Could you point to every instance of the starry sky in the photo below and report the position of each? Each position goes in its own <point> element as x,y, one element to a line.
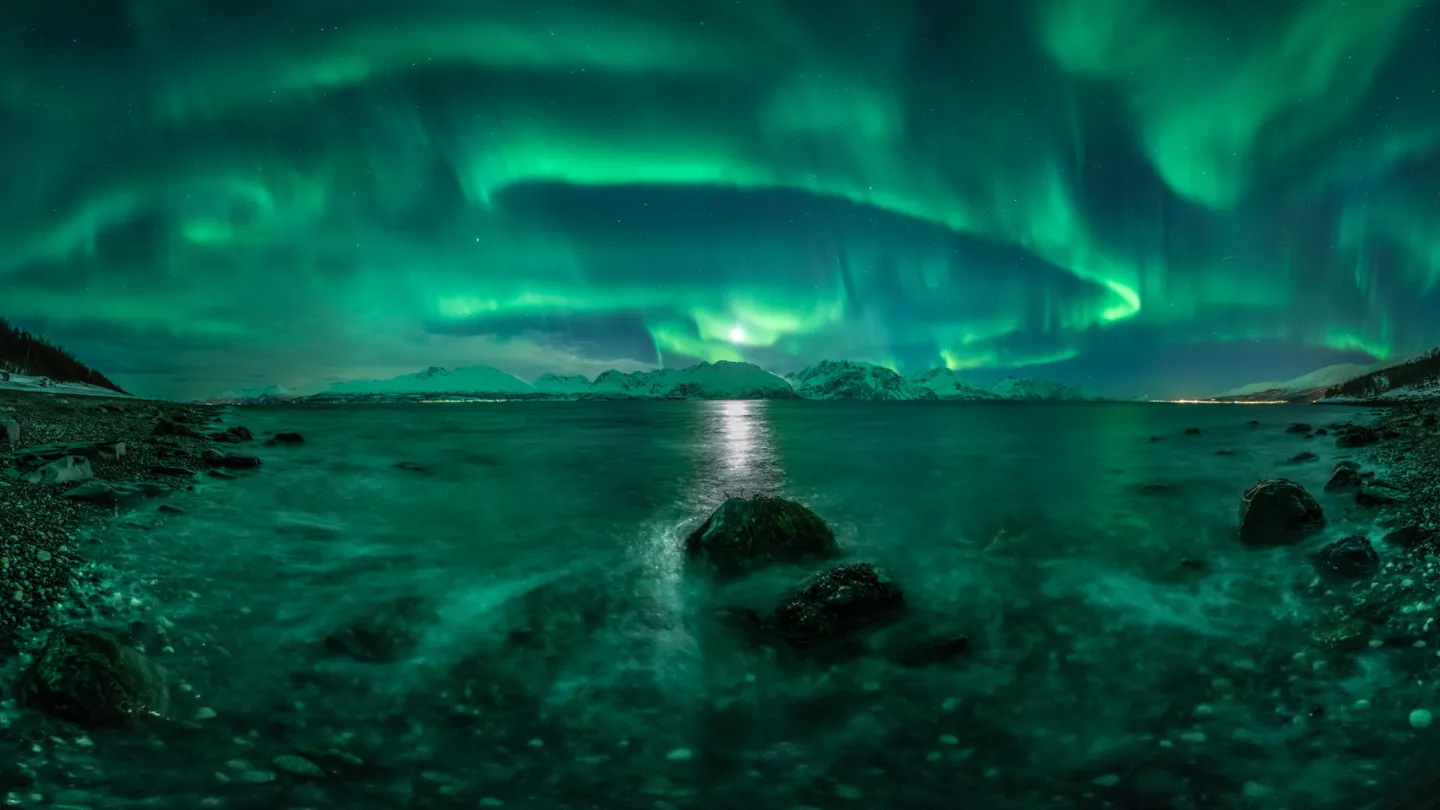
<point>1154,197</point>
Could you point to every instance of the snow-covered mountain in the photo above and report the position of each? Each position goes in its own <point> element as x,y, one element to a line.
<point>256,396</point>
<point>468,381</point>
<point>723,380</point>
<point>1306,387</point>
<point>1416,377</point>
<point>557,384</point>
<point>1021,389</point>
<point>947,385</point>
<point>848,379</point>
<point>828,380</point>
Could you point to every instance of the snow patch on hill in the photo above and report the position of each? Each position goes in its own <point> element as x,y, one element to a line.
<point>1023,389</point>
<point>1318,379</point>
<point>849,379</point>
<point>948,385</point>
<point>45,385</point>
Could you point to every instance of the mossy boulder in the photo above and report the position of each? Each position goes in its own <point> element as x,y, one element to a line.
<point>836,604</point>
<point>747,533</point>
<point>91,678</point>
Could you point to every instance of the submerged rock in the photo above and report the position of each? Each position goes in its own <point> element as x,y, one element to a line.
<point>286,438</point>
<point>90,678</point>
<point>1344,479</point>
<point>837,603</point>
<point>746,533</point>
<point>171,427</point>
<point>1303,458</point>
<point>1351,557</point>
<point>388,634</point>
<point>1298,427</point>
<point>1276,512</point>
<point>241,432</point>
<point>217,458</point>
<point>1192,431</point>
<point>107,493</point>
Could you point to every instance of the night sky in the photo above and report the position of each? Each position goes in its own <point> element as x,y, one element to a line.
<point>1143,196</point>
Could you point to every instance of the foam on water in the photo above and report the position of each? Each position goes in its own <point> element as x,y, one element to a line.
<point>1029,529</point>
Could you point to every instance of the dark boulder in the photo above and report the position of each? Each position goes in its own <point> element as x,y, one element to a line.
<point>836,604</point>
<point>1277,512</point>
<point>1349,465</point>
<point>1253,423</point>
<point>1344,479</point>
<point>114,493</point>
<point>286,438</point>
<point>746,533</point>
<point>1350,557</point>
<point>1298,427</point>
<point>1413,538</point>
<point>241,432</point>
<point>1192,431</point>
<point>1357,436</point>
<point>170,427</point>
<point>1304,457</point>
<point>1224,452</point>
<point>1322,432</point>
<point>90,678</point>
<point>225,437</point>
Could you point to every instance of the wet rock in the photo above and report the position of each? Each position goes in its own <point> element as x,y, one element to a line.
<point>1303,458</point>
<point>218,458</point>
<point>90,678</point>
<point>94,451</point>
<point>286,438</point>
<point>1378,495</point>
<point>114,493</point>
<point>1348,465</point>
<point>1278,511</point>
<point>224,437</point>
<point>1350,635</point>
<point>1357,436</point>
<point>1298,427</point>
<point>388,634</point>
<point>170,509</point>
<point>1192,431</point>
<point>1351,557</point>
<point>746,533</point>
<point>171,427</point>
<point>297,765</point>
<point>1344,479</point>
<point>1253,423</point>
<point>241,432</point>
<point>9,431</point>
<point>837,603</point>
<point>1322,432</point>
<point>67,470</point>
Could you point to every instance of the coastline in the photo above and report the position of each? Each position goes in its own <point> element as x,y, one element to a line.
<point>43,555</point>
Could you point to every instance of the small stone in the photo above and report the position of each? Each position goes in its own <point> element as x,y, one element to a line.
<point>680,755</point>
<point>257,777</point>
<point>1193,736</point>
<point>848,792</point>
<point>204,713</point>
<point>1420,718</point>
<point>1108,780</point>
<point>42,555</point>
<point>949,739</point>
<point>299,766</point>
<point>536,743</point>
<point>490,801</point>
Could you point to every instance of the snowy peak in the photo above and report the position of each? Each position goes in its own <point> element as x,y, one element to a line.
<point>947,385</point>
<point>1022,389</point>
<point>848,379</point>
<point>556,384</point>
<point>722,380</point>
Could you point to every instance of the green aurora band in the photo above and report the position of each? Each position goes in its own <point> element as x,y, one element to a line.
<point>356,188</point>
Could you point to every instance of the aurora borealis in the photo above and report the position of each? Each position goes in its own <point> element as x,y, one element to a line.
<point>1157,196</point>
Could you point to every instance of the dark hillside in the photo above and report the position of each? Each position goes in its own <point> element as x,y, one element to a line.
<point>24,353</point>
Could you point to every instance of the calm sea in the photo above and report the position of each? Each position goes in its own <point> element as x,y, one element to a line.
<point>1127,651</point>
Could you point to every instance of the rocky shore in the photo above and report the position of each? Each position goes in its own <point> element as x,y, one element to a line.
<point>68,460</point>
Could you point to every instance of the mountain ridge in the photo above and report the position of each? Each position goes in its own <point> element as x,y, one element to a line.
<point>826,380</point>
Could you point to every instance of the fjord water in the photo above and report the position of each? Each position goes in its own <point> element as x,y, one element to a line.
<point>1127,651</point>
